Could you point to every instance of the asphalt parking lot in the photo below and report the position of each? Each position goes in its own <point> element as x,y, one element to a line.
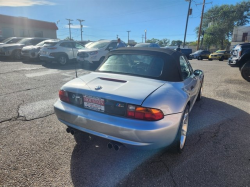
<point>35,149</point>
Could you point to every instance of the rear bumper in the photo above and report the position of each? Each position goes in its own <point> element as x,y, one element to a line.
<point>130,132</point>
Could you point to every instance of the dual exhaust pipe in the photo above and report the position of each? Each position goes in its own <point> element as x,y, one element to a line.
<point>115,145</point>
<point>69,130</point>
<point>111,144</point>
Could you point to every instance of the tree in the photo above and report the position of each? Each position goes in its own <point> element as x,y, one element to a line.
<point>219,22</point>
<point>176,42</point>
<point>69,38</point>
<point>164,42</point>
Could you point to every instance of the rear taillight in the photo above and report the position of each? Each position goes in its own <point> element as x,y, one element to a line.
<point>63,95</point>
<point>51,48</point>
<point>142,113</point>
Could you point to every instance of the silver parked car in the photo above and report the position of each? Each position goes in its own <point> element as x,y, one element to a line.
<point>136,97</point>
<point>14,50</point>
<point>32,51</point>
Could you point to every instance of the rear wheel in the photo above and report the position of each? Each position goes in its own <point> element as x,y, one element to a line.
<point>199,58</point>
<point>62,59</point>
<point>222,58</point>
<point>245,71</point>
<point>200,93</point>
<point>180,139</point>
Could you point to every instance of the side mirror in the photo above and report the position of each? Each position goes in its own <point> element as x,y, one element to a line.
<point>110,48</point>
<point>197,72</point>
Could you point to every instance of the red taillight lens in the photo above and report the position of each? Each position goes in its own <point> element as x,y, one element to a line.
<point>148,114</point>
<point>63,95</point>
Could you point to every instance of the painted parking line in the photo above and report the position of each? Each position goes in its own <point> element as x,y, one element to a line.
<point>42,73</point>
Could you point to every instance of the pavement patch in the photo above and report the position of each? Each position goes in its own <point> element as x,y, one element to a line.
<point>37,109</point>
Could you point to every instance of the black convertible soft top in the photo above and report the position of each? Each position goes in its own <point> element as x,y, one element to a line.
<point>172,69</point>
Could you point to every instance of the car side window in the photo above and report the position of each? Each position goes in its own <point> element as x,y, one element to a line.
<point>113,45</point>
<point>78,46</point>
<point>185,71</point>
<point>66,44</point>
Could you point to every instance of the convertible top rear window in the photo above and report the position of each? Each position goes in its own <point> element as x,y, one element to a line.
<point>134,64</point>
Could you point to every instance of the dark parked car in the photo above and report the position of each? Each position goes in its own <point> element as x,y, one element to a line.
<point>241,58</point>
<point>14,50</point>
<point>200,55</point>
<point>186,52</point>
<point>147,45</point>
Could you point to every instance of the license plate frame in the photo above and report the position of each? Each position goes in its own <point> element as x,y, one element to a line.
<point>94,103</point>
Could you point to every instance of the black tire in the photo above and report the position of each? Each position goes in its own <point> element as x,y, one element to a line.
<point>178,144</point>
<point>210,59</point>
<point>16,55</point>
<point>199,97</point>
<point>222,58</point>
<point>199,58</point>
<point>62,60</point>
<point>245,71</point>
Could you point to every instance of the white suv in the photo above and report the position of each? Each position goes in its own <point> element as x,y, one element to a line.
<point>95,52</point>
<point>61,51</point>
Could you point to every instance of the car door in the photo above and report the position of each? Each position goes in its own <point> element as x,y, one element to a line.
<point>76,47</point>
<point>190,80</point>
<point>66,47</point>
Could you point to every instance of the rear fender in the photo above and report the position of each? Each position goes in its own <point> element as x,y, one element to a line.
<point>170,98</point>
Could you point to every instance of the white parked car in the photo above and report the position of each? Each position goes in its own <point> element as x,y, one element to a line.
<point>62,51</point>
<point>95,52</point>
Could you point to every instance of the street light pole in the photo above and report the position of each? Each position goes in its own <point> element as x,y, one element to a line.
<point>200,24</point>
<point>128,36</point>
<point>81,20</point>
<point>187,23</point>
<point>145,36</point>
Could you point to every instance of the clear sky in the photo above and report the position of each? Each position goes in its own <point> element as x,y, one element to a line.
<point>105,19</point>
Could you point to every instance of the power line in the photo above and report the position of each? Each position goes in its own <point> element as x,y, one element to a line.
<point>69,20</point>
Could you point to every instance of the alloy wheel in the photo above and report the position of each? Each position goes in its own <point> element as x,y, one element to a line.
<point>184,127</point>
<point>62,60</point>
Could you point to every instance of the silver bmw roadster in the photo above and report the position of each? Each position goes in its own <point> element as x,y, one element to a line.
<point>138,97</point>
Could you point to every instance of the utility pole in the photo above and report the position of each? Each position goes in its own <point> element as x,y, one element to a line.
<point>142,38</point>
<point>187,23</point>
<point>145,36</point>
<point>81,20</point>
<point>201,22</point>
<point>128,36</point>
<point>69,20</point>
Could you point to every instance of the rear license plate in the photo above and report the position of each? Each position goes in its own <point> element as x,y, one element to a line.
<point>94,103</point>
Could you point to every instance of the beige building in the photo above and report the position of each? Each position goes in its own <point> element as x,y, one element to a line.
<point>25,27</point>
<point>241,34</point>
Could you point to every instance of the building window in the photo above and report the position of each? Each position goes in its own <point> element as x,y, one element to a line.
<point>24,33</point>
<point>244,37</point>
<point>7,32</point>
<point>38,33</point>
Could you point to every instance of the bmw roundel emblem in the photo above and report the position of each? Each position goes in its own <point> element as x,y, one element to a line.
<point>98,87</point>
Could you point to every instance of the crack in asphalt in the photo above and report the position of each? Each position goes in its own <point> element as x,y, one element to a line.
<point>23,118</point>
<point>30,89</point>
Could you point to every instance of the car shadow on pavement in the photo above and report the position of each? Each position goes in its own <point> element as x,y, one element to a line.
<point>215,139</point>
